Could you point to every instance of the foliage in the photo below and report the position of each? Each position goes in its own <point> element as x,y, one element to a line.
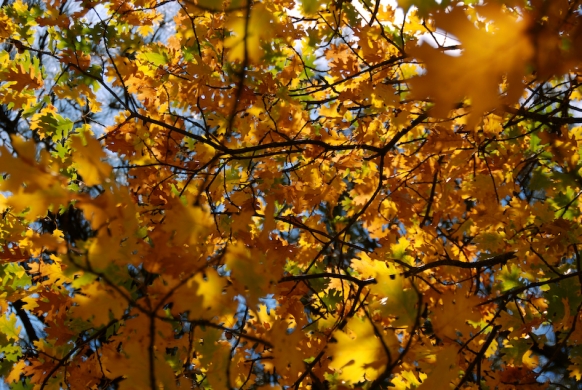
<point>311,194</point>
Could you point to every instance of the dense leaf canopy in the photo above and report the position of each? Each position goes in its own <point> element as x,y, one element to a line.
<point>310,194</point>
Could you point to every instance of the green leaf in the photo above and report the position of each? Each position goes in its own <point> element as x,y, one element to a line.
<point>155,57</point>
<point>515,348</point>
<point>540,181</point>
<point>510,277</point>
<point>26,385</point>
<point>332,299</point>
<point>310,7</point>
<point>83,280</point>
<point>568,288</point>
<point>11,352</point>
<point>8,326</point>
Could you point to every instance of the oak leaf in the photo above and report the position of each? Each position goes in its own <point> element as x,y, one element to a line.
<point>476,73</point>
<point>359,353</point>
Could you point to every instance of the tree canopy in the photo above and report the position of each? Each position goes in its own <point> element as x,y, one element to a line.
<point>309,194</point>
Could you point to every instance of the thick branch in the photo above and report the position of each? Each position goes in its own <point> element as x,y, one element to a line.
<point>359,282</point>
<point>495,260</point>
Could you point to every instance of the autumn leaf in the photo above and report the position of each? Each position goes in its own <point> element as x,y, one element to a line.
<point>294,194</point>
<point>444,371</point>
<point>454,314</point>
<point>286,350</point>
<point>249,33</point>
<point>110,305</point>
<point>310,6</point>
<point>89,160</point>
<point>247,273</point>
<point>359,352</point>
<point>475,74</point>
<point>9,328</point>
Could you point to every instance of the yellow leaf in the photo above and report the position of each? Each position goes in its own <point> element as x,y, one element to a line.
<point>35,243</point>
<point>287,354</point>
<point>89,160</point>
<point>454,314</point>
<point>189,223</point>
<point>206,297</point>
<point>258,28</point>
<point>8,326</point>
<point>445,370</point>
<point>17,369</point>
<point>359,353</point>
<point>395,298</point>
<point>309,7</point>
<point>530,360</point>
<point>576,367</point>
<point>219,5</point>
<point>249,272</point>
<point>98,304</point>
<point>145,30</point>
<point>217,359</point>
<point>478,72</point>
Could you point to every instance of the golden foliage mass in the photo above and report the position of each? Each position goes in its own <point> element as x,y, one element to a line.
<point>314,194</point>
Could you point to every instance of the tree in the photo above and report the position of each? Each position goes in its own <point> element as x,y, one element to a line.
<point>313,194</point>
